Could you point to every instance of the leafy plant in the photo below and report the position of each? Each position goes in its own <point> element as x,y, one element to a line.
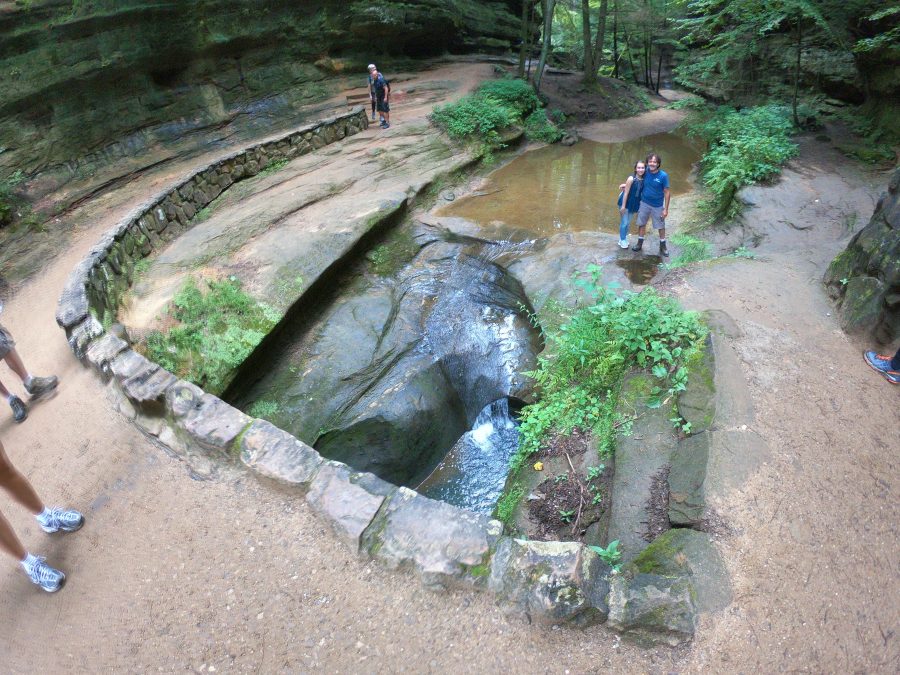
<point>508,501</point>
<point>595,471</point>
<point>579,373</point>
<point>745,147</point>
<point>611,555</point>
<point>217,329</point>
<point>496,105</point>
<point>566,516</point>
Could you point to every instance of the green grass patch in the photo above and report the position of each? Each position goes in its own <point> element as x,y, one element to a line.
<point>274,166</point>
<point>506,505</point>
<point>580,372</point>
<point>217,328</point>
<point>496,105</point>
<point>744,147</point>
<point>266,410</point>
<point>691,250</point>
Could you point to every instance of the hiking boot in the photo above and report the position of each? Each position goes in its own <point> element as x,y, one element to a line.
<point>41,386</point>
<point>882,364</point>
<point>638,246</point>
<point>56,519</point>
<point>40,573</point>
<point>663,251</point>
<point>18,409</point>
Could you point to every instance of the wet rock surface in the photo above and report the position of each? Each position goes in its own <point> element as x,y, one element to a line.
<point>653,609</point>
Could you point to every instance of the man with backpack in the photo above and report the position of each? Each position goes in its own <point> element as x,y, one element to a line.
<point>382,90</point>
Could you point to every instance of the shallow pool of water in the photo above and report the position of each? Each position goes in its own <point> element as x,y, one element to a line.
<point>558,188</point>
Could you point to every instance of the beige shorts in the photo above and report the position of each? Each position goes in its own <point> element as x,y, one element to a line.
<point>6,342</point>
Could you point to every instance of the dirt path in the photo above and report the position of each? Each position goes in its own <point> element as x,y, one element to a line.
<point>172,573</point>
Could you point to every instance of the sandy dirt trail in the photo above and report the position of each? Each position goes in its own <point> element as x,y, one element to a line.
<point>172,573</point>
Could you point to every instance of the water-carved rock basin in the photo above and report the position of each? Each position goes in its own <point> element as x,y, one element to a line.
<point>394,369</point>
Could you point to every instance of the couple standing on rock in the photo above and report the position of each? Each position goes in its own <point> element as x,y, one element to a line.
<point>380,95</point>
<point>645,193</point>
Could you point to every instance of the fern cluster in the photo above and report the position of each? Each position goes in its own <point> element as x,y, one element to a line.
<point>579,374</point>
<point>217,329</point>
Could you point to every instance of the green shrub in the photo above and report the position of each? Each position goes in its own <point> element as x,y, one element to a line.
<point>266,410</point>
<point>496,105</point>
<point>539,128</point>
<point>745,147</point>
<point>579,373</point>
<point>217,330</point>
<point>9,202</point>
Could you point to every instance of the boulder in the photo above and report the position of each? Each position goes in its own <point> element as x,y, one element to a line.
<point>688,553</point>
<point>652,609</point>
<point>444,544</point>
<point>551,582</point>
<point>865,276</point>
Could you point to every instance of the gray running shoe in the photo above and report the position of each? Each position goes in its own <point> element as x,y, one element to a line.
<point>18,409</point>
<point>39,386</point>
<point>40,573</point>
<point>67,520</point>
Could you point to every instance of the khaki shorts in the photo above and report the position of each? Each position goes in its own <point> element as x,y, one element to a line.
<point>646,212</point>
<point>6,342</point>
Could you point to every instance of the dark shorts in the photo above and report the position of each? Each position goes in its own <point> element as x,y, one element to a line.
<point>382,106</point>
<point>6,342</point>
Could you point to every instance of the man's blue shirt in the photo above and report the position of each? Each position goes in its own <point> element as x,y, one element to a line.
<point>654,184</point>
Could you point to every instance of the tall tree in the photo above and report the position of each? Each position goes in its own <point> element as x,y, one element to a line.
<point>547,6</point>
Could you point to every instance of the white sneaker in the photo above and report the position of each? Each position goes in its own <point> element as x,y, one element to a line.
<point>623,243</point>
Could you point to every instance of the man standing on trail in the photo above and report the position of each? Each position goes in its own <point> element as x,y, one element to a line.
<point>382,97</point>
<point>35,386</point>
<point>372,69</point>
<point>50,520</point>
<point>654,203</point>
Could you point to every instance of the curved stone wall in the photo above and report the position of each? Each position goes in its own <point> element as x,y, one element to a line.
<point>446,546</point>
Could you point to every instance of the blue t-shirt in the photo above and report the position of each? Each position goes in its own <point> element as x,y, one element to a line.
<point>654,184</point>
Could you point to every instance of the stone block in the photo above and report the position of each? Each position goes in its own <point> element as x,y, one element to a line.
<point>73,305</point>
<point>697,403</point>
<point>213,425</point>
<point>81,336</point>
<point>348,499</point>
<point>444,544</point>
<point>102,351</point>
<point>687,473</point>
<point>652,609</point>
<point>552,582</point>
<point>129,364</point>
<point>276,454</point>
<point>183,398</point>
<point>146,389</point>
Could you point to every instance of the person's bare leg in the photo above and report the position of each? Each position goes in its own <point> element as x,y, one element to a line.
<point>18,486</point>
<point>14,361</point>
<point>4,392</point>
<point>9,542</point>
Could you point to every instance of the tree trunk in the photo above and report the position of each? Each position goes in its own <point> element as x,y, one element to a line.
<point>549,6</point>
<point>659,68</point>
<point>630,58</point>
<point>797,70</point>
<point>601,33</point>
<point>523,47</point>
<point>615,38</point>
<point>590,68</point>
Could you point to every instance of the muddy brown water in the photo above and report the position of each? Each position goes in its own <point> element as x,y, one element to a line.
<point>557,188</point>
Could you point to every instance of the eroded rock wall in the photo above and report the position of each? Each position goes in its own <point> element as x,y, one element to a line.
<point>865,277</point>
<point>88,79</point>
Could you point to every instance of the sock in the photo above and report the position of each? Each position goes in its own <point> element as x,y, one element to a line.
<point>44,516</point>
<point>10,397</point>
<point>28,562</point>
<point>640,239</point>
<point>662,241</point>
<point>27,381</point>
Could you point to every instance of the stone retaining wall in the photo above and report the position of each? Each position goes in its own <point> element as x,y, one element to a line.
<point>549,582</point>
